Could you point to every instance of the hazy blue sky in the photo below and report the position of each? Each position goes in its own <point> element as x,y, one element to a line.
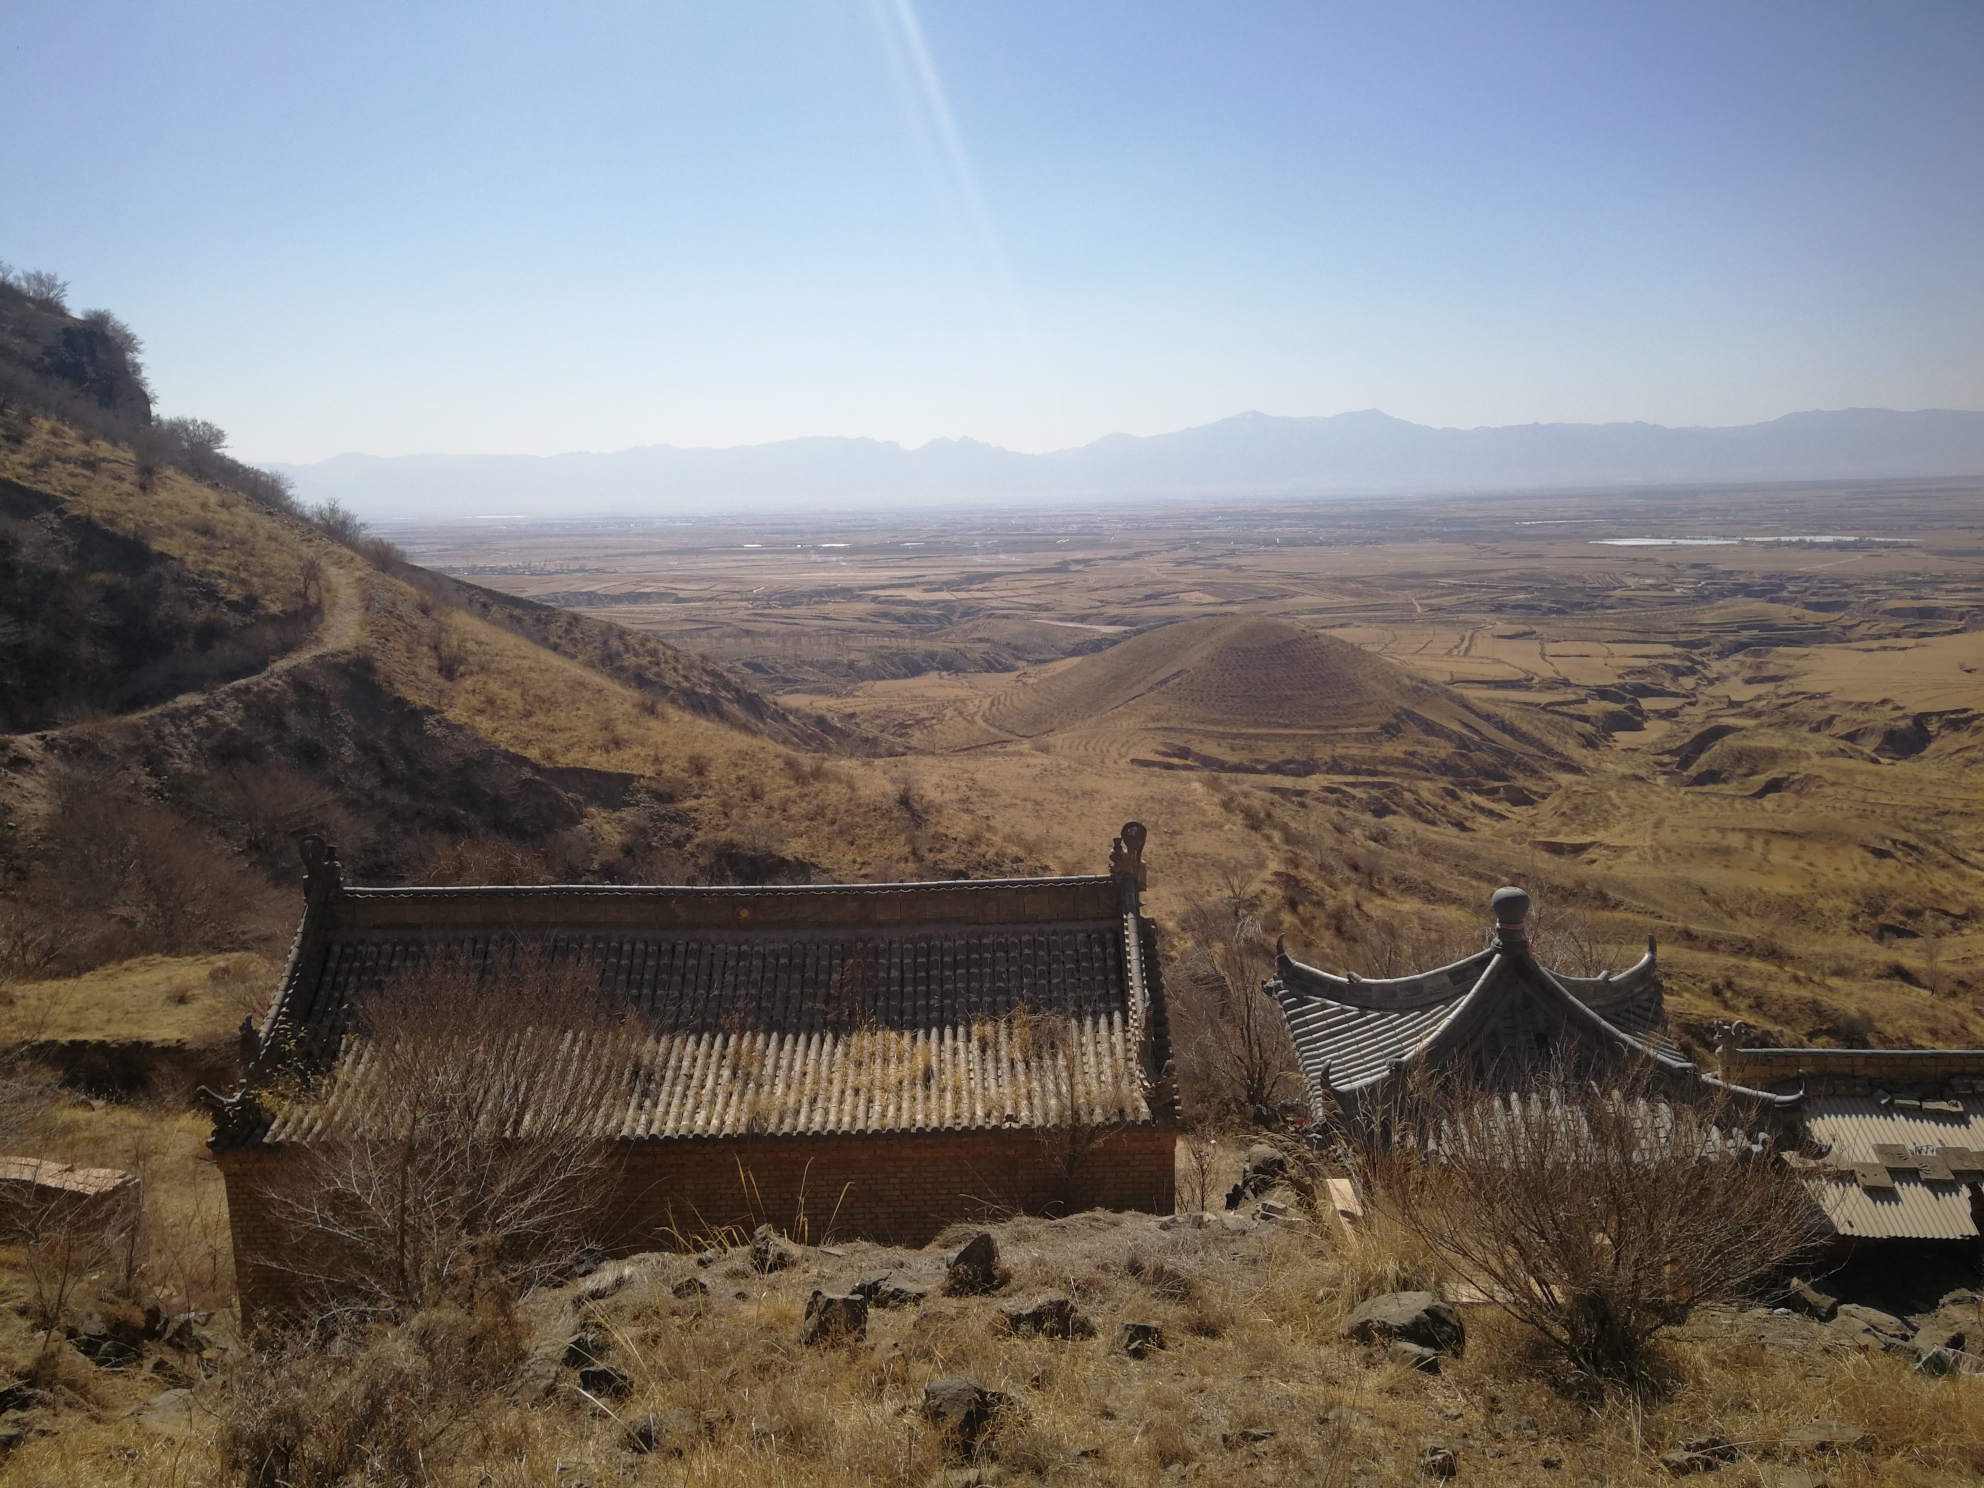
<point>413,226</point>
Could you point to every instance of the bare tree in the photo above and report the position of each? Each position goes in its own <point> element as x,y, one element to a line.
<point>457,1152</point>
<point>1594,1209</point>
<point>1235,1059</point>
<point>1082,1123</point>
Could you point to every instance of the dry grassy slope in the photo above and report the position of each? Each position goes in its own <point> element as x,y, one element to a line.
<point>1231,676</point>
<point>1255,1386</point>
<point>428,717</point>
<point>639,661</point>
<point>1817,888</point>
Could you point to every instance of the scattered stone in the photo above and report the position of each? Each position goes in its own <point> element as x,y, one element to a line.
<point>689,1288</point>
<point>1943,1359</point>
<point>1711,1446</point>
<point>603,1381</point>
<point>883,1290</point>
<point>1681,1463</point>
<point>586,1349</point>
<point>1245,1436</point>
<point>1439,1461</point>
<point>1265,1168</point>
<point>1809,1301</point>
<point>961,1411</point>
<point>1413,1356</point>
<point>1823,1436</point>
<point>1138,1339</point>
<point>1049,1314</point>
<point>974,1269</point>
<point>170,1412</point>
<point>108,1342</point>
<point>665,1431</point>
<point>832,1319</point>
<point>1868,1328</point>
<point>769,1252</point>
<point>602,1284</point>
<point>1789,1477</point>
<point>540,1373</point>
<point>1411,1317</point>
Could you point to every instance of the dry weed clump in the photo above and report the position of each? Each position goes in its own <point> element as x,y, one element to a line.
<point>1595,1206</point>
<point>454,1155</point>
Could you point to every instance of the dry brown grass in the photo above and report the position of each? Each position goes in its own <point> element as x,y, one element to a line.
<point>1251,1319</point>
<point>156,999</point>
<point>219,535</point>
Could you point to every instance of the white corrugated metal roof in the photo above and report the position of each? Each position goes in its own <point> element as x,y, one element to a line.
<point>1913,1209</point>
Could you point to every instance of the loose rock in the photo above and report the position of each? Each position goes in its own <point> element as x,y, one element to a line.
<point>1870,1328</point>
<point>1138,1339</point>
<point>604,1381</point>
<point>1411,1317</point>
<point>961,1411</point>
<point>769,1252</point>
<point>834,1319</point>
<point>883,1290</point>
<point>1413,1356</point>
<point>1048,1314</point>
<point>670,1431</point>
<point>1439,1462</point>
<point>1809,1301</point>
<point>1823,1436</point>
<point>974,1269</point>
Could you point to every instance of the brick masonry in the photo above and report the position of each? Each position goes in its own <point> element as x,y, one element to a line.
<point>898,1189</point>
<point>1759,1067</point>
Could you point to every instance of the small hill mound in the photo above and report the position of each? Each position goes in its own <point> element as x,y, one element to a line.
<point>1247,695</point>
<point>1232,676</point>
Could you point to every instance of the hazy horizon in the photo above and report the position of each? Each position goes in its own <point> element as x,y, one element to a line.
<point>968,438</point>
<point>464,227</point>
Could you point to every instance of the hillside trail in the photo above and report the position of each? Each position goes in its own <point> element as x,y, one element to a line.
<point>340,628</point>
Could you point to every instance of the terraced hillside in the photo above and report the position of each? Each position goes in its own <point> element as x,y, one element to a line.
<point>1249,695</point>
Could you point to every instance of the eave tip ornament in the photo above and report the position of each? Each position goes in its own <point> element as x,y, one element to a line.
<point>1511,907</point>
<point>1126,856</point>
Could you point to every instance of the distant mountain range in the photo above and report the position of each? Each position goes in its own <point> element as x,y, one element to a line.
<point>1368,453</point>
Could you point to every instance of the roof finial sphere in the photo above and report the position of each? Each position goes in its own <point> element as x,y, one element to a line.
<point>1511,906</point>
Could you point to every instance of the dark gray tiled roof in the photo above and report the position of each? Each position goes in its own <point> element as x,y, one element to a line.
<point>847,1008</point>
<point>1496,1011</point>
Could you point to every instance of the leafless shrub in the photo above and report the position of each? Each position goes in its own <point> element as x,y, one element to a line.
<point>381,1408</point>
<point>1235,1060</point>
<point>1070,1143</point>
<point>1390,945</point>
<point>455,1156</point>
<point>1570,941</point>
<point>116,874</point>
<point>1595,1210</point>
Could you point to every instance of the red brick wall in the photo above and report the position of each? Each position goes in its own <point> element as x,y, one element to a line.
<point>898,1189</point>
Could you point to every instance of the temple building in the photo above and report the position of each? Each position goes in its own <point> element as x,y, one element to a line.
<point>885,1059</point>
<point>1890,1141</point>
<point>1492,1018</point>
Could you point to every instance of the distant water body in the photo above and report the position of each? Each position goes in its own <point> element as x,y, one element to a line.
<point>1729,542</point>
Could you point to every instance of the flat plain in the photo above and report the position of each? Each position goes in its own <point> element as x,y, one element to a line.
<point>1746,720</point>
